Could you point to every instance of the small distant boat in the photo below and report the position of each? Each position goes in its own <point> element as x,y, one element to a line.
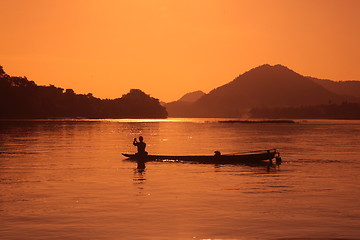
<point>253,157</point>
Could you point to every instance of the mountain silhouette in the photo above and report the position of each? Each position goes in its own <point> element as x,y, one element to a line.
<point>261,87</point>
<point>181,107</point>
<point>192,96</point>
<point>349,88</point>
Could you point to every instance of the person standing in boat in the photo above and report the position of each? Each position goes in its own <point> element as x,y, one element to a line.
<point>141,145</point>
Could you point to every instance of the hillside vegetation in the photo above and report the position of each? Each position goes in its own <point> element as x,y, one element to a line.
<point>21,98</point>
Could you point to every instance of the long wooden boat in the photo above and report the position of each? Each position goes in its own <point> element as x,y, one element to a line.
<point>256,157</point>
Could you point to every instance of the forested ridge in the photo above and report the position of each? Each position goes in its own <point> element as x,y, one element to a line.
<point>22,98</point>
<point>344,110</point>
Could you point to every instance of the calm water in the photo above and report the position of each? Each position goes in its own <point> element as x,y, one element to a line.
<point>68,180</point>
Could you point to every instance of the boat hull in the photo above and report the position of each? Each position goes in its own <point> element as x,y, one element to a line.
<point>254,157</point>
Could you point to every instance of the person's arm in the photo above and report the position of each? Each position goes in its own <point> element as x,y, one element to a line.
<point>135,142</point>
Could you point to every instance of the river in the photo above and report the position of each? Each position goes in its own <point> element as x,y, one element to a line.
<point>67,179</point>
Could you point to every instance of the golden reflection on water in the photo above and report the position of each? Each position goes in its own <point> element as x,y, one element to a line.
<point>153,120</point>
<point>68,180</point>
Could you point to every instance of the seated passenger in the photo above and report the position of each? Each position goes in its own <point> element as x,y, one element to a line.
<point>141,145</point>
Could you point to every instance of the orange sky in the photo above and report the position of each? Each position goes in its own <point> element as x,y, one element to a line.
<point>170,47</point>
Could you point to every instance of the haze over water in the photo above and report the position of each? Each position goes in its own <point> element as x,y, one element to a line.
<point>66,179</point>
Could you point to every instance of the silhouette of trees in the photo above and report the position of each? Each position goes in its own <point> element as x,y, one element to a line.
<point>2,72</point>
<point>21,98</point>
<point>344,110</point>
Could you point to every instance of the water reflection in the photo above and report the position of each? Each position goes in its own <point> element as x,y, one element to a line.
<point>139,172</point>
<point>141,165</point>
<point>259,167</point>
<point>271,167</point>
<point>139,177</point>
<point>81,160</point>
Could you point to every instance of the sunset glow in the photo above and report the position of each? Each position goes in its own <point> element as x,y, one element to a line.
<point>169,48</point>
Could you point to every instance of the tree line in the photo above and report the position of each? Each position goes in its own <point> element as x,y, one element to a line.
<point>344,110</point>
<point>21,98</point>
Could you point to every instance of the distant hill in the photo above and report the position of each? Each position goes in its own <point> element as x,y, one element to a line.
<point>21,98</point>
<point>192,96</point>
<point>181,106</point>
<point>262,87</point>
<point>350,88</point>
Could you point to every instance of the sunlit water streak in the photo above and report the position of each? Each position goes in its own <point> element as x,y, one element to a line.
<point>66,179</point>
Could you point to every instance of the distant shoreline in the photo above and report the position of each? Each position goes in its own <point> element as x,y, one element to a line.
<point>258,121</point>
<point>176,120</point>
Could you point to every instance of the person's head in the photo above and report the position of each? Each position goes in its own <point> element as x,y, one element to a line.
<point>141,139</point>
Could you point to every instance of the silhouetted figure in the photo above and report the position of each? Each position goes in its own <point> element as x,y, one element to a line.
<point>141,145</point>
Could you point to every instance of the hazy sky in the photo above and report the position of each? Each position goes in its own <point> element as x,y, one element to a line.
<point>170,47</point>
